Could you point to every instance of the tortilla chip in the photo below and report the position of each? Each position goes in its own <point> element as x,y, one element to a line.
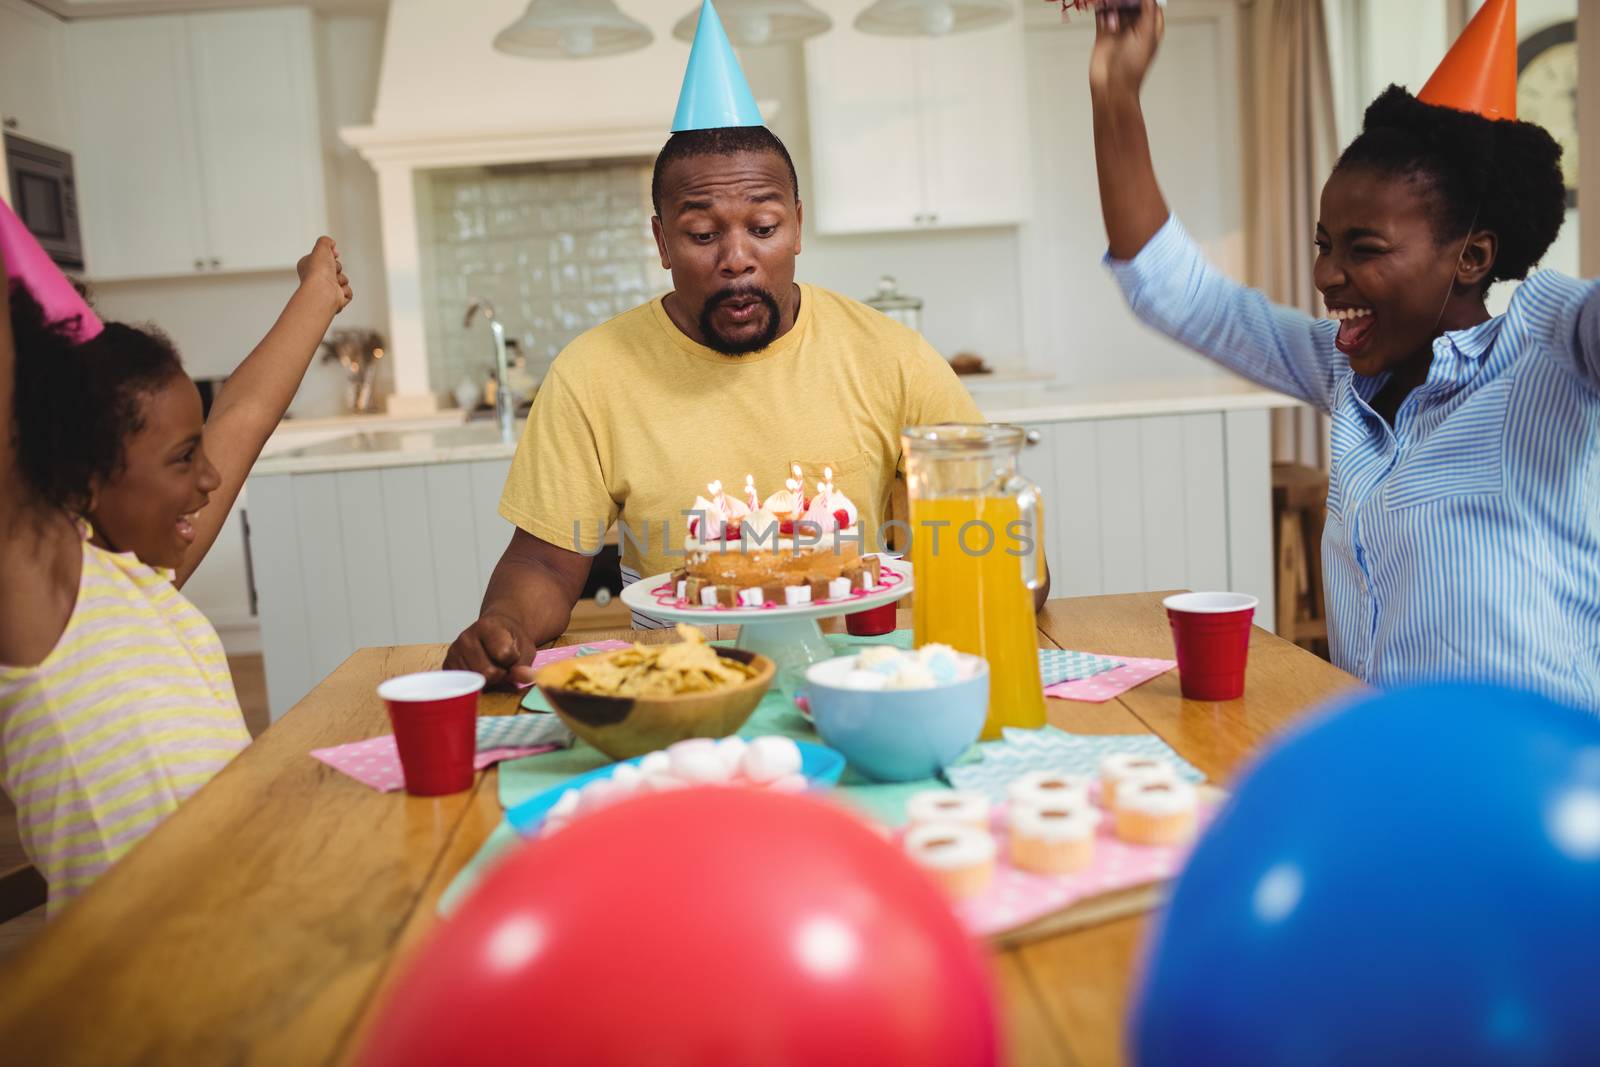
<point>689,666</point>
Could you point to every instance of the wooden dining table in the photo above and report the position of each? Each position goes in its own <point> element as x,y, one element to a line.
<point>259,923</point>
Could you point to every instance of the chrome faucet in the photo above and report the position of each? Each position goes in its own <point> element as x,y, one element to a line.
<point>504,405</point>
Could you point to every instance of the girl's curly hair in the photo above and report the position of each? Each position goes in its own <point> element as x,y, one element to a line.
<point>1503,173</point>
<point>76,405</point>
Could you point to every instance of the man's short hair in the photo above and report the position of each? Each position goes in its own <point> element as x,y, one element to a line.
<point>729,141</point>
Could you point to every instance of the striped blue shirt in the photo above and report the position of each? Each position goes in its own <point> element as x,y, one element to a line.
<point>1462,543</point>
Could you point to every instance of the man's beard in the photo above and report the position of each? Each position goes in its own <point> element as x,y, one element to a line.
<point>728,346</point>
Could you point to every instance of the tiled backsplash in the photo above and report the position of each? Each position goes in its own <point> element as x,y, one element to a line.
<point>556,248</point>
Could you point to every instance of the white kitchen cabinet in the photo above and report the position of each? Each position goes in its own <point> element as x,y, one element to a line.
<point>139,198</point>
<point>200,145</point>
<point>33,96</point>
<point>910,134</point>
<point>255,106</point>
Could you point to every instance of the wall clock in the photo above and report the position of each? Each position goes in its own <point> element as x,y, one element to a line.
<point>1547,92</point>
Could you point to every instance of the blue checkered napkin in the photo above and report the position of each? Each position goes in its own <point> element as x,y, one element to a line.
<point>522,731</point>
<point>1021,751</point>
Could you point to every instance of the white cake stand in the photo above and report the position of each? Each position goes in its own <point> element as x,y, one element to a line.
<point>789,636</point>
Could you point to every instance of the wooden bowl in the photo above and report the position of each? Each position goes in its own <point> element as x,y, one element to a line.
<point>624,727</point>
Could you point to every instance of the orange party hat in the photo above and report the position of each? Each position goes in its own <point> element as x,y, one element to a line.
<point>1480,72</point>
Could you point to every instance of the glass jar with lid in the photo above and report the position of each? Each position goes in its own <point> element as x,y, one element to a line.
<point>895,304</point>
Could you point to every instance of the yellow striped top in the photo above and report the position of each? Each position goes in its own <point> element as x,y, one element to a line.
<point>128,715</point>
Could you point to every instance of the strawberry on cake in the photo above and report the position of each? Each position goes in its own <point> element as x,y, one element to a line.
<point>784,550</point>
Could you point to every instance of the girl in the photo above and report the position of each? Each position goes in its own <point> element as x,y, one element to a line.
<point>115,697</point>
<point>1463,531</point>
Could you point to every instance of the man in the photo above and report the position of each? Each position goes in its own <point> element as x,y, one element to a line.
<point>739,370</point>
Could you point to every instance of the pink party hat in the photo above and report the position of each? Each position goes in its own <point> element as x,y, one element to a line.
<point>27,261</point>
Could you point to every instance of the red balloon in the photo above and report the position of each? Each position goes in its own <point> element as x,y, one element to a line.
<point>709,926</point>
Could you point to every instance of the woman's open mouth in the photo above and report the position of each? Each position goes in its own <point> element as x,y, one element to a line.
<point>185,527</point>
<point>1355,328</point>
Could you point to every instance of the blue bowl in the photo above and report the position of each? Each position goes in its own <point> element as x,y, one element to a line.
<point>898,735</point>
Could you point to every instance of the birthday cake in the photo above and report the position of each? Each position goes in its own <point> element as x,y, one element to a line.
<point>785,550</point>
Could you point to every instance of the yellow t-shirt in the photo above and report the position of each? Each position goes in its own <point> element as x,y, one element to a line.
<point>634,419</point>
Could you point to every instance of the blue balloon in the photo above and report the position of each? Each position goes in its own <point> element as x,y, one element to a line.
<point>1413,879</point>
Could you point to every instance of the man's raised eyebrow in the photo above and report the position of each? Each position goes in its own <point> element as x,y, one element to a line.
<point>695,205</point>
<point>764,198</point>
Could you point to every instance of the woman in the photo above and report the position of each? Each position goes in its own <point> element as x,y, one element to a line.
<point>1463,532</point>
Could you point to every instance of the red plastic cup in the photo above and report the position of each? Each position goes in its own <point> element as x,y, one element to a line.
<point>1212,634</point>
<point>435,719</point>
<point>873,622</point>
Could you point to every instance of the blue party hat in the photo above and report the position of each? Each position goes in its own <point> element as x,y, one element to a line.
<point>715,94</point>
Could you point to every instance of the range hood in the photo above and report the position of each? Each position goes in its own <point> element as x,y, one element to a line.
<point>442,75</point>
<point>447,98</point>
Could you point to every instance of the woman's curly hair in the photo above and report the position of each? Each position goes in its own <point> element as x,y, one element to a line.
<point>1504,174</point>
<point>77,405</point>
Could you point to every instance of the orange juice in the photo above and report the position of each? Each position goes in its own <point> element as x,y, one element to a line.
<point>970,595</point>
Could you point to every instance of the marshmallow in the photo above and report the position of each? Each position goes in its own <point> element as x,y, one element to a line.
<point>708,596</point>
<point>655,763</point>
<point>598,794</point>
<point>731,751</point>
<point>697,761</point>
<point>626,777</point>
<point>565,807</point>
<point>752,598</point>
<point>882,659</point>
<point>868,680</point>
<point>912,676</point>
<point>767,759</point>
<point>838,588</point>
<point>941,662</point>
<point>797,594</point>
<point>683,589</point>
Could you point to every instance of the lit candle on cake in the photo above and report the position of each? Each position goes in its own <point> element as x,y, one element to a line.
<point>799,486</point>
<point>750,491</point>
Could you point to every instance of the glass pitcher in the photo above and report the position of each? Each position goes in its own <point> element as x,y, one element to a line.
<point>977,554</point>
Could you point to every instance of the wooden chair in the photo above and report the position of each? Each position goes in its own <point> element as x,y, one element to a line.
<point>1300,509</point>
<point>21,890</point>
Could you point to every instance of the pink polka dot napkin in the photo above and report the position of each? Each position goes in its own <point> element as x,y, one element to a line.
<point>375,762</point>
<point>555,655</point>
<point>1102,687</point>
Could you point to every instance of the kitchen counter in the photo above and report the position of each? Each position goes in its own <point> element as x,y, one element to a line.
<point>1009,401</point>
<point>1063,402</point>
<point>390,448</point>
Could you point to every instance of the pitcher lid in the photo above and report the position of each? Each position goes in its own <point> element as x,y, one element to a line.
<point>965,436</point>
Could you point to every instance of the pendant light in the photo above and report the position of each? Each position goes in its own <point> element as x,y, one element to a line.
<point>932,18</point>
<point>572,29</point>
<point>751,23</point>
